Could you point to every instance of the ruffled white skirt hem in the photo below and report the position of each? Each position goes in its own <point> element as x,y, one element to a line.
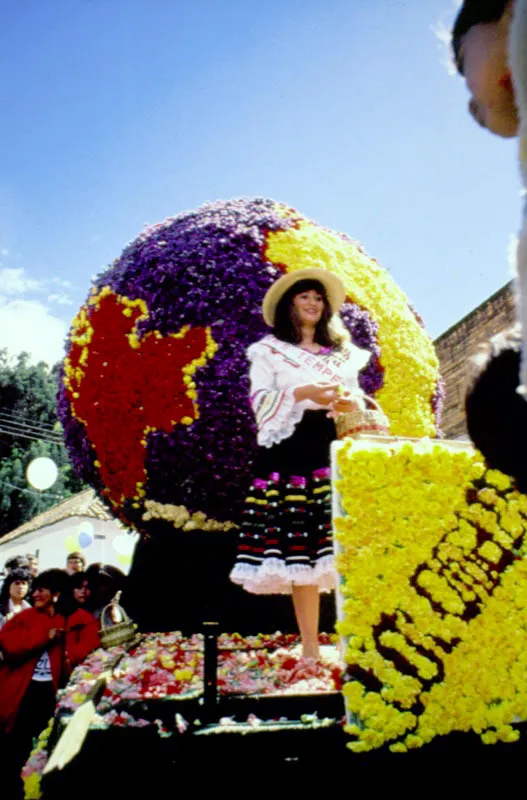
<point>274,576</point>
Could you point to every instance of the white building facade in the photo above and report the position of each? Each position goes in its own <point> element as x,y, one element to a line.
<point>82,523</point>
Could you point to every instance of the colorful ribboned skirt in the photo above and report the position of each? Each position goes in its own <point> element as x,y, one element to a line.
<point>285,532</point>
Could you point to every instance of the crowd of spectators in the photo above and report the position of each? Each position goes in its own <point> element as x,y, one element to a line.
<point>49,622</point>
<point>90,587</point>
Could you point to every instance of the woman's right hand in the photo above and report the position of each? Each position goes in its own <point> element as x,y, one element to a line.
<point>55,633</point>
<point>319,393</point>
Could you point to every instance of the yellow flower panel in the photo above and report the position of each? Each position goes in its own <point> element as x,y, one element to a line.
<point>434,594</point>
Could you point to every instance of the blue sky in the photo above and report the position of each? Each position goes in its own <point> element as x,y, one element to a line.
<point>118,113</point>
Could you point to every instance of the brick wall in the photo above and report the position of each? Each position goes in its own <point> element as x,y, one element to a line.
<point>456,345</point>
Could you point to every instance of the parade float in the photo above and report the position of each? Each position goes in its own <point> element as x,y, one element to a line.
<point>154,404</point>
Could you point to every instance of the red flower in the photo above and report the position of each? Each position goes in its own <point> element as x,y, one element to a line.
<point>146,384</point>
<point>289,663</point>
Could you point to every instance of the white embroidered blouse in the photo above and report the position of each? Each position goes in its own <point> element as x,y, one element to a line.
<point>278,368</point>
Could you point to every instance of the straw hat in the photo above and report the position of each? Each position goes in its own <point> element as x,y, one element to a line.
<point>334,287</point>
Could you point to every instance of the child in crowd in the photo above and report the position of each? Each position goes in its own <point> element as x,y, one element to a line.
<point>75,562</point>
<point>80,590</point>
<point>489,41</point>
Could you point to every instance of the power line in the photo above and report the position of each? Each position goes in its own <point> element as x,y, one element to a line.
<point>13,412</point>
<point>31,491</point>
<point>20,419</point>
<point>34,438</point>
<point>16,426</point>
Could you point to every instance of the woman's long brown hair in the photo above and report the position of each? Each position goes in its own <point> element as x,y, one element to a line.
<point>287,324</point>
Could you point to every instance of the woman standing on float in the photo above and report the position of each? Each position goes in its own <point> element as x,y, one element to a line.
<point>304,370</point>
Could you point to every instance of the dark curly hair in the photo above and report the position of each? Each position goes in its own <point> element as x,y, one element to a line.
<point>474,12</point>
<point>17,561</point>
<point>56,580</point>
<point>77,579</point>
<point>18,574</point>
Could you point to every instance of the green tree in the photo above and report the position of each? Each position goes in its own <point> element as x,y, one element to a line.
<point>29,428</point>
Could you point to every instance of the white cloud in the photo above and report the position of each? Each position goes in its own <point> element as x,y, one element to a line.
<point>60,299</point>
<point>443,33</point>
<point>4,252</point>
<point>28,325</point>
<point>444,37</point>
<point>60,282</point>
<point>15,281</point>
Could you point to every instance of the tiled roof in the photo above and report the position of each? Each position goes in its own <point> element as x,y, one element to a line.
<point>83,504</point>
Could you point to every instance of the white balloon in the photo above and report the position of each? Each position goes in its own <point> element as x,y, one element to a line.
<point>42,473</point>
<point>85,527</point>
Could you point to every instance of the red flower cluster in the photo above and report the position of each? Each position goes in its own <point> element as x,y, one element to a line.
<point>144,383</point>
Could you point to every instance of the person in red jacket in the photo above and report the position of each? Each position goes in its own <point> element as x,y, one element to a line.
<point>39,647</point>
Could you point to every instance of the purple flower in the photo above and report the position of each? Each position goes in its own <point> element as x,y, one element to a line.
<point>364,331</point>
<point>205,268</point>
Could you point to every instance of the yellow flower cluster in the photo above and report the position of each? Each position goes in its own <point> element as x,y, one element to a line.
<point>189,370</point>
<point>32,772</point>
<point>407,352</point>
<point>180,517</point>
<point>431,554</point>
<point>81,334</point>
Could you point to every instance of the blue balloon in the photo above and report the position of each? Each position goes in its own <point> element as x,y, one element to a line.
<point>85,539</point>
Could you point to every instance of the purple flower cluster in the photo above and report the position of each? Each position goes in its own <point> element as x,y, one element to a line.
<point>206,268</point>
<point>364,331</point>
<point>80,451</point>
